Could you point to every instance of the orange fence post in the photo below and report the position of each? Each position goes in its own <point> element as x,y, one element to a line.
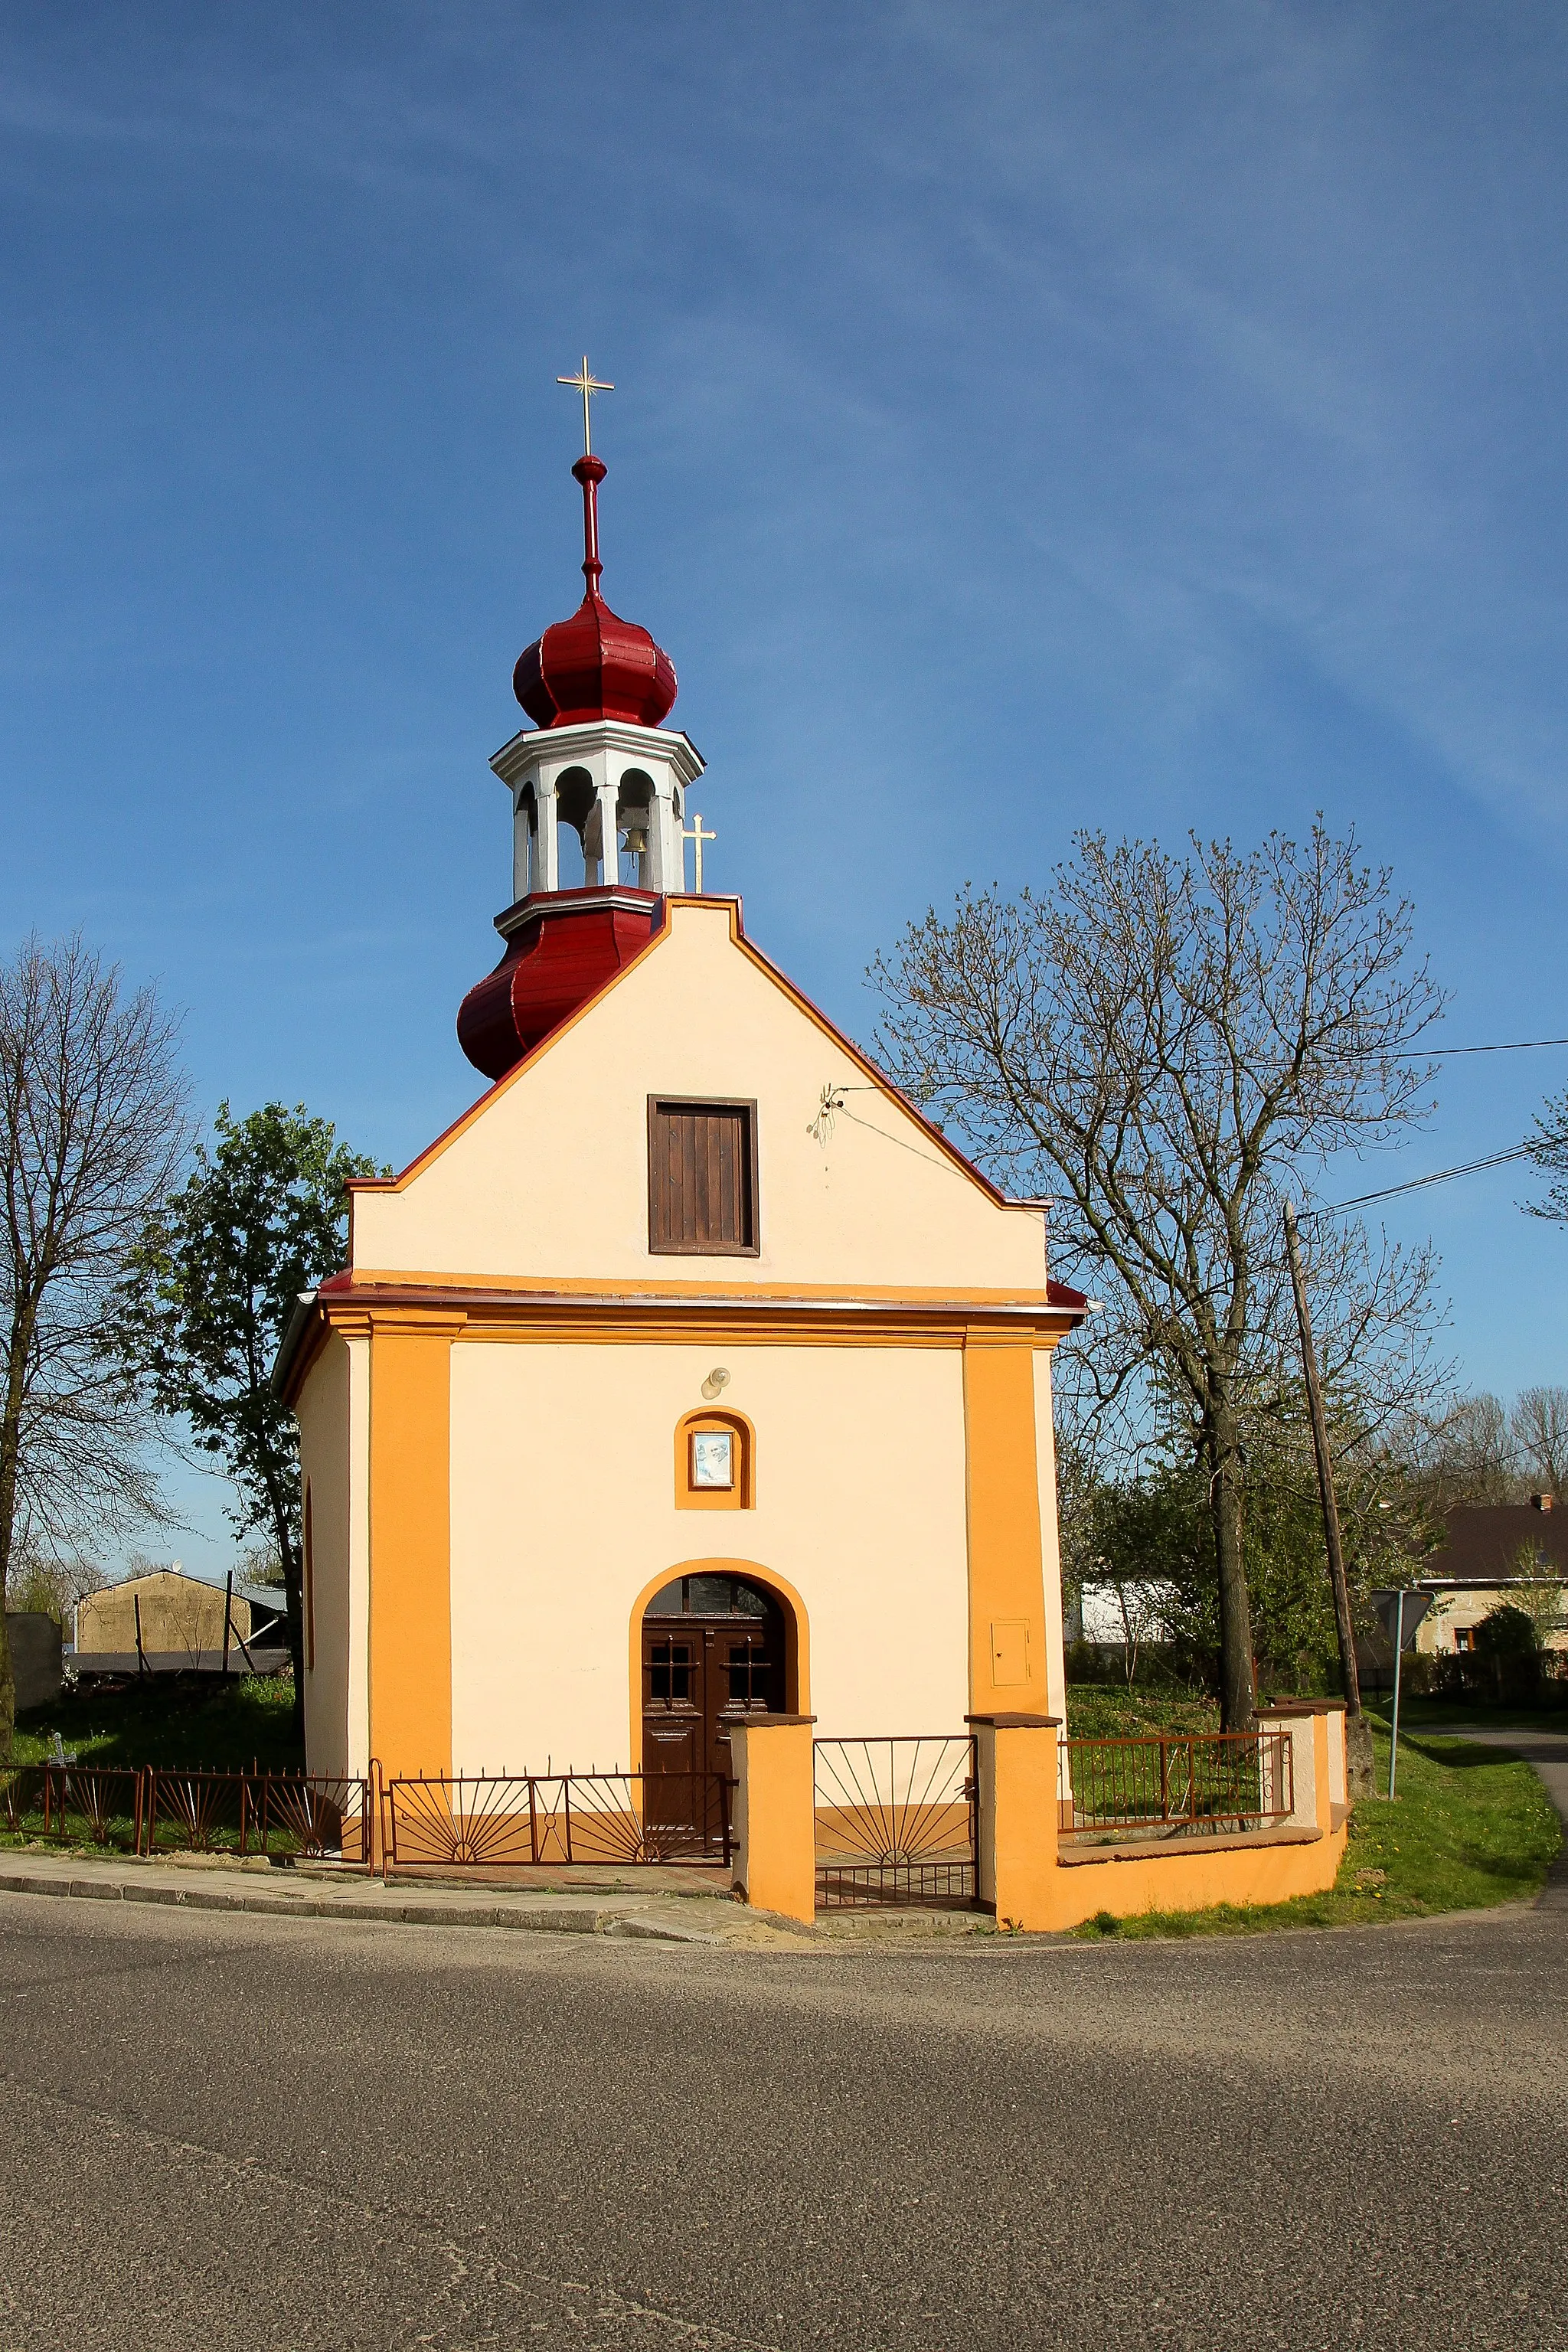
<point>1016,1764</point>
<point>774,1820</point>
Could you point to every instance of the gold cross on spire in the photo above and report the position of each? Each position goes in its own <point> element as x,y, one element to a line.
<point>588,385</point>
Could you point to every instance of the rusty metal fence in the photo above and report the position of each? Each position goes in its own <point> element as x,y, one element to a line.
<point>896,1823</point>
<point>505,1821</point>
<point>74,1804</point>
<point>1207,1782</point>
<point>310,1816</point>
<point>147,1811</point>
<point>486,1822</point>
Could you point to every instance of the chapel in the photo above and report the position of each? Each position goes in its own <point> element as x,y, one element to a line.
<point>691,1375</point>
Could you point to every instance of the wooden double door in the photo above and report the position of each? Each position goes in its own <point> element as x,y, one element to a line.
<point>713,1653</point>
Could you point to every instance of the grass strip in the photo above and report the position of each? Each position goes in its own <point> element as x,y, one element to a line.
<point>158,1720</point>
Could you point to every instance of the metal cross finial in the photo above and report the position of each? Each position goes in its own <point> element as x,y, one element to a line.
<point>588,385</point>
<point>695,835</point>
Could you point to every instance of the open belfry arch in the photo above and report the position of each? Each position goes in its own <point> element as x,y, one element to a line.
<point>649,1402</point>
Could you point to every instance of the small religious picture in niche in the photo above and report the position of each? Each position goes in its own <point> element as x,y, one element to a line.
<point>712,1458</point>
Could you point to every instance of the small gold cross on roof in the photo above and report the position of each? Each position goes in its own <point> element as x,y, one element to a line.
<point>588,385</point>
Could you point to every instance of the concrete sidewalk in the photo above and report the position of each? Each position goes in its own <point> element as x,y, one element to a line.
<point>212,1883</point>
<point>668,1907</point>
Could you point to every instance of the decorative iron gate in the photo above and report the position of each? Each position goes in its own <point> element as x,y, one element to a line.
<point>896,1823</point>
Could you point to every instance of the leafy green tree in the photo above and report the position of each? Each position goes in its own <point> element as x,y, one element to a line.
<point>1538,1593</point>
<point>1155,1527</point>
<point>1506,1632</point>
<point>212,1285</point>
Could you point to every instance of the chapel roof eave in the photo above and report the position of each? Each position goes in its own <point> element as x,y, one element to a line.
<point>303,1320</point>
<point>456,1305</point>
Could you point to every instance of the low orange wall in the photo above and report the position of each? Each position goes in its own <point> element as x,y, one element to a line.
<point>1189,1880</point>
<point>1032,1883</point>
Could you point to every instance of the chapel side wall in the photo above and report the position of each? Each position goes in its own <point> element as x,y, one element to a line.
<point>563,1514</point>
<point>322,1410</point>
<point>551,1183</point>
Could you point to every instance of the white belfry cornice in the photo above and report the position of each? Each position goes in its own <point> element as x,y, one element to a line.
<point>533,745</point>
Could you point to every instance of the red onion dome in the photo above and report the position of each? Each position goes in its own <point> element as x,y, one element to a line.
<point>595,666</point>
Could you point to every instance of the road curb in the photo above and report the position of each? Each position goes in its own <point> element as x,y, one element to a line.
<point>529,1918</point>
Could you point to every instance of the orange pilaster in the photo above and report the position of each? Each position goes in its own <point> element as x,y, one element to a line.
<point>410,1547</point>
<point>1006,1580</point>
<point>1016,1761</point>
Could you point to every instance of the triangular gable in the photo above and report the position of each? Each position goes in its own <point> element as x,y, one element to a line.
<point>544,1178</point>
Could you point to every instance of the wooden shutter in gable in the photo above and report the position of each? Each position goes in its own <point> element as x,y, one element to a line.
<point>701,1177</point>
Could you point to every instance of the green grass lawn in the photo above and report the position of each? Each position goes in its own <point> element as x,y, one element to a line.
<point>1415,1712</point>
<point>1109,1711</point>
<point>159,1721</point>
<point>1469,1828</point>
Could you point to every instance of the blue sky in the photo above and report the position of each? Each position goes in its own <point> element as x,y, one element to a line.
<point>1026,417</point>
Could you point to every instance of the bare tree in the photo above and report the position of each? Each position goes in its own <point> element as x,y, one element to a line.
<point>1538,1427</point>
<point>1170,1043</point>
<point>52,1585</point>
<point>92,1131</point>
<point>1465,1456</point>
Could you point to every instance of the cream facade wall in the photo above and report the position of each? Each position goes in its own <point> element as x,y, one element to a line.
<point>564,1517</point>
<point>334,1414</point>
<point>551,1183</point>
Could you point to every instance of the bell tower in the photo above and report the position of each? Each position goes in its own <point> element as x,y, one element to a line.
<point>598,792</point>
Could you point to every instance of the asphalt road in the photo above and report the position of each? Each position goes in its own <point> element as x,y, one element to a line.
<point>227,2132</point>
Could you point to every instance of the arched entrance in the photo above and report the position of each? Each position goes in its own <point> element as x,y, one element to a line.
<point>715,1649</point>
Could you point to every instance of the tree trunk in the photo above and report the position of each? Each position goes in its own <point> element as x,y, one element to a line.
<point>1235,1691</point>
<point>7,1686</point>
<point>10,1464</point>
<point>293,1608</point>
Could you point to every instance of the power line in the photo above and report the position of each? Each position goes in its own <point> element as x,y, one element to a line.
<point>1442,1176</point>
<point>1527,1045</point>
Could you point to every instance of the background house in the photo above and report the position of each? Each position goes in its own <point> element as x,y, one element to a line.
<point>1494,1554</point>
<point>180,1620</point>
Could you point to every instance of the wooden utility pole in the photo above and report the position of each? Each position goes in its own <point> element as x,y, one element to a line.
<point>1325,1475</point>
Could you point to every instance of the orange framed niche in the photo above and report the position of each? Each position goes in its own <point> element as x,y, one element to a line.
<point>741,1495</point>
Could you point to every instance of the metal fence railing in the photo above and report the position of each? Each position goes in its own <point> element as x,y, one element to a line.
<point>508,1821</point>
<point>896,1823</point>
<point>149,1809</point>
<point>313,1816</point>
<point>1207,1781</point>
<point>74,1804</point>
